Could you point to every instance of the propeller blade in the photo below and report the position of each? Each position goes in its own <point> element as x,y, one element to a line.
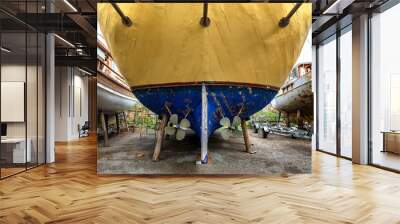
<point>180,134</point>
<point>236,121</point>
<point>226,133</point>
<point>170,130</point>
<point>185,123</point>
<point>225,122</point>
<point>174,119</point>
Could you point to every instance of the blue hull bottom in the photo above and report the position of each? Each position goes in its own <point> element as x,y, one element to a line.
<point>223,100</point>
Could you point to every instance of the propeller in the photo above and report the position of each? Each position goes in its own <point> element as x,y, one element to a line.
<point>229,128</point>
<point>177,128</point>
<point>174,127</point>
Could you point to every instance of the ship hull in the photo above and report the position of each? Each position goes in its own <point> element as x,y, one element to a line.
<point>110,101</point>
<point>222,101</point>
<point>298,98</point>
<point>166,44</point>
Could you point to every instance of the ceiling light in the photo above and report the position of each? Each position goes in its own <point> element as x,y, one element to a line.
<point>5,50</point>
<point>84,71</point>
<point>70,5</point>
<point>337,7</point>
<point>64,40</point>
<point>79,51</point>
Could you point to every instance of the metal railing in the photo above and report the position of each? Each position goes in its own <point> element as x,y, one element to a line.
<point>107,71</point>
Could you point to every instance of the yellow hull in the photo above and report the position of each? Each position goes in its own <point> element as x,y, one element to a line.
<point>166,45</point>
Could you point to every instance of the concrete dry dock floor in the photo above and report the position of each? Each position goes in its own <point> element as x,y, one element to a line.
<point>131,154</point>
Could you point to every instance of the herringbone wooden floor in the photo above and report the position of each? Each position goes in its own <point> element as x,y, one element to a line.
<point>69,191</point>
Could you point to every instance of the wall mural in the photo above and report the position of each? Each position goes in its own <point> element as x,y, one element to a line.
<point>193,88</point>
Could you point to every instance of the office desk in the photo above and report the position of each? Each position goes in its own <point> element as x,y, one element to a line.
<point>391,141</point>
<point>15,148</point>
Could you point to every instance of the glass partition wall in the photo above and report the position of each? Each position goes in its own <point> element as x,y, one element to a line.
<point>345,61</point>
<point>334,93</point>
<point>327,95</point>
<point>13,90</point>
<point>385,89</point>
<point>22,107</point>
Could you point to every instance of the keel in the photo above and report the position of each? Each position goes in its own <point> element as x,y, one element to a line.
<point>204,125</point>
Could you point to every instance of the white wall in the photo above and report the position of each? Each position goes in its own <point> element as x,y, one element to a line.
<point>80,109</point>
<point>14,73</point>
<point>62,78</point>
<point>71,103</point>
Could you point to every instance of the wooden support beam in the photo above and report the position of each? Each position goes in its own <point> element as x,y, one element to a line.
<point>106,120</point>
<point>299,119</point>
<point>279,117</point>
<point>246,138</point>
<point>117,122</point>
<point>125,121</point>
<point>287,119</point>
<point>104,127</point>
<point>160,136</point>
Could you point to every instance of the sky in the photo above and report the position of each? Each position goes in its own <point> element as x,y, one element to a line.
<point>306,52</point>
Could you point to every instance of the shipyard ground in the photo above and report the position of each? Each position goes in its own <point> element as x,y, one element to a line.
<point>130,153</point>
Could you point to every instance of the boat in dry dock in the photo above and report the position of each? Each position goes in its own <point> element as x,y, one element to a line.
<point>113,92</point>
<point>296,96</point>
<point>204,66</point>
